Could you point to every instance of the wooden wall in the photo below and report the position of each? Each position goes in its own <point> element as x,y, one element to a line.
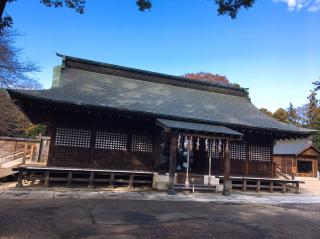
<point>113,143</point>
<point>288,163</point>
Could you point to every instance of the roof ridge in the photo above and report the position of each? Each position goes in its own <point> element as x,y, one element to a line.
<point>241,91</point>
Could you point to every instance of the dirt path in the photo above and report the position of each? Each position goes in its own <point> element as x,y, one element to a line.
<point>68,218</point>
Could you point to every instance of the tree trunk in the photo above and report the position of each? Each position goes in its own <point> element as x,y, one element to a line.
<point>2,7</point>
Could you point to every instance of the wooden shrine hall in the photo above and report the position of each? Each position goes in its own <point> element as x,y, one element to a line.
<point>106,120</point>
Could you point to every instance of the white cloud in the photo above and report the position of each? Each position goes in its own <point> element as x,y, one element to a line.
<point>296,5</point>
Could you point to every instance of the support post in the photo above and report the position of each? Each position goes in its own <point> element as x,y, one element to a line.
<point>227,185</point>
<point>131,181</point>
<point>20,175</point>
<point>186,183</point>
<point>46,178</point>
<point>247,159</point>
<point>244,185</point>
<point>258,185</point>
<point>297,187</point>
<point>91,179</point>
<point>31,153</point>
<point>111,180</point>
<point>284,188</point>
<point>25,153</point>
<point>210,159</point>
<point>69,179</point>
<point>173,159</point>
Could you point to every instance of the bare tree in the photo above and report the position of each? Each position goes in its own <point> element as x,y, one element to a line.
<point>15,72</point>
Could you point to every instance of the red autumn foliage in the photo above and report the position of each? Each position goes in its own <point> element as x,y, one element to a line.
<point>209,77</point>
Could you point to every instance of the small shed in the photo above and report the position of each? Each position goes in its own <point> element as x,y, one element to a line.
<point>297,157</point>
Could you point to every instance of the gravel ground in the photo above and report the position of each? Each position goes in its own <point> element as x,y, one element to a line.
<point>74,218</point>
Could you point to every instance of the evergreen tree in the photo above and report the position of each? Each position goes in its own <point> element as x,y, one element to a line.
<point>313,116</point>
<point>293,117</point>
<point>312,110</point>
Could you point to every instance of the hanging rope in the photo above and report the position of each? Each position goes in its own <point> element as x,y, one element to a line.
<point>206,143</point>
<point>198,144</point>
<point>191,143</point>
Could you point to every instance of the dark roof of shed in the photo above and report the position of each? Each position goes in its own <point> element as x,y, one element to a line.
<point>292,147</point>
<point>87,86</point>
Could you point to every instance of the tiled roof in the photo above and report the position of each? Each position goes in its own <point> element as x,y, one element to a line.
<point>291,147</point>
<point>163,100</point>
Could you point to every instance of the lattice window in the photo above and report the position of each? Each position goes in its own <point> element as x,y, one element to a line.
<point>141,143</point>
<point>217,149</point>
<point>111,140</point>
<point>73,137</point>
<point>260,153</point>
<point>237,151</point>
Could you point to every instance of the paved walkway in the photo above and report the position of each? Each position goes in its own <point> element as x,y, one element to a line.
<point>236,197</point>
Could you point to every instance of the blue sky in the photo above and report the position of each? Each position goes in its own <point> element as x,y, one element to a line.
<point>273,48</point>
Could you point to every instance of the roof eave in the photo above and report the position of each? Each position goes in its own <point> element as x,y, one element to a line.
<point>308,132</point>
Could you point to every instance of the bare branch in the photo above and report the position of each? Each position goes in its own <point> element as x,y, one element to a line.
<point>14,71</point>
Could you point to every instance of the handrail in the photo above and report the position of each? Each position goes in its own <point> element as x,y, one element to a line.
<point>13,154</point>
<point>284,174</point>
<point>26,155</point>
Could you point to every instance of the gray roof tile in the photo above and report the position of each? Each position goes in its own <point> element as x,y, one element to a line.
<point>102,90</point>
<point>291,147</point>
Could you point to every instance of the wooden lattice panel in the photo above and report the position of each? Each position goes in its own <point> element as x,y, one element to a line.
<point>237,151</point>
<point>217,151</point>
<point>73,137</point>
<point>260,153</point>
<point>111,140</point>
<point>141,143</point>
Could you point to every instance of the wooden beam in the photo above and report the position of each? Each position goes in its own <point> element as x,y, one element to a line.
<point>173,160</point>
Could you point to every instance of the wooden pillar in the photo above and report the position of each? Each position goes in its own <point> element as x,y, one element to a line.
<point>46,178</point>
<point>69,179</point>
<point>111,180</point>
<point>297,187</point>
<point>188,162</point>
<point>227,185</point>
<point>244,185</point>
<point>284,189</point>
<point>51,130</point>
<point>31,153</point>
<point>173,160</point>
<point>157,150</point>
<point>91,179</point>
<point>258,185</point>
<point>25,152</point>
<point>247,159</point>
<point>20,175</point>
<point>131,179</point>
<point>210,162</point>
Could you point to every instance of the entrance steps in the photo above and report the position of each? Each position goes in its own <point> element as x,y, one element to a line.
<point>198,187</point>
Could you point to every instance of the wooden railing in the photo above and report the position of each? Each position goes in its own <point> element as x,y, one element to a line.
<point>16,158</point>
<point>280,173</point>
<point>252,168</point>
